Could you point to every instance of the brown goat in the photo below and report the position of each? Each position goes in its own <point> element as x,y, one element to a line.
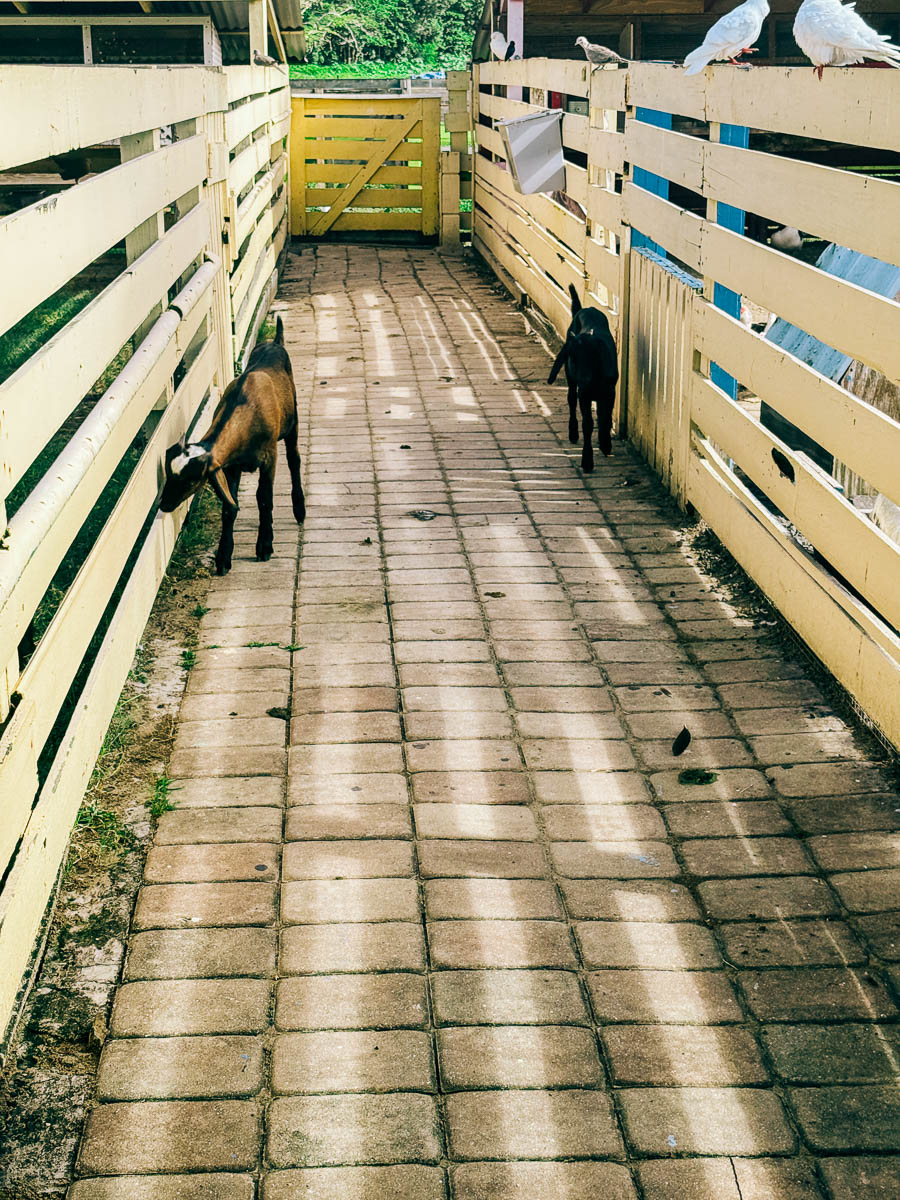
<point>258,409</point>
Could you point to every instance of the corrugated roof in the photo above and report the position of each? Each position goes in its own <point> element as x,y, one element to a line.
<point>870,273</point>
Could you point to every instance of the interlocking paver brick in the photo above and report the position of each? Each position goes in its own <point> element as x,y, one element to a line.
<point>767,899</point>
<point>200,953</point>
<point>218,1186</point>
<point>628,900</point>
<point>500,944</point>
<point>361,859</point>
<point>515,1180</point>
<point>683,1055</point>
<point>517,1056</point>
<point>485,822</point>
<point>510,899</point>
<point>350,788</point>
<point>347,821</point>
<point>742,856</point>
<point>834,1053</point>
<point>326,949</point>
<point>508,997</point>
<point>728,1179</point>
<point>495,860</point>
<point>175,1067</point>
<point>349,1129</point>
<point>187,905</point>
<point>816,994</point>
<point>392,1000</point>
<point>325,901</point>
<point>874,1178</point>
<point>614,860</point>
<point>584,787</point>
<point>171,1007</point>
<point>211,863</point>
<point>533,1124</point>
<point>664,997</point>
<point>407,1182</point>
<point>790,943</point>
<point>386,1060</point>
<point>668,946</point>
<point>170,1135</point>
<point>228,793</point>
<point>745,818</point>
<point>864,1118</point>
<point>869,891</point>
<point>733,1121</point>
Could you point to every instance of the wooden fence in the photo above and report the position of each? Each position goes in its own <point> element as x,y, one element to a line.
<point>187,229</point>
<point>646,230</point>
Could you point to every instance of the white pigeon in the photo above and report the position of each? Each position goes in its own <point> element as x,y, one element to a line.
<point>831,34</point>
<point>501,48</point>
<point>787,238</point>
<point>731,36</point>
<point>598,56</point>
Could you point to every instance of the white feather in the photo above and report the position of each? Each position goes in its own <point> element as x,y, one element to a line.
<point>731,34</point>
<point>831,34</point>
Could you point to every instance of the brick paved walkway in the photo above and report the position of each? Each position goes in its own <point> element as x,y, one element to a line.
<point>473,929</point>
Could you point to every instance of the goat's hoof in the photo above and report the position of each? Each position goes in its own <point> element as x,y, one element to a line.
<point>300,514</point>
<point>588,467</point>
<point>573,434</point>
<point>263,555</point>
<point>222,568</point>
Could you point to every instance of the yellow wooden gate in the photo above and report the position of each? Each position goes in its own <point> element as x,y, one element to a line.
<point>365,163</point>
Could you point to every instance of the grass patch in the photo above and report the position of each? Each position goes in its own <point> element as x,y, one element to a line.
<point>187,658</point>
<point>38,326</point>
<point>105,827</point>
<point>200,610</point>
<point>160,801</point>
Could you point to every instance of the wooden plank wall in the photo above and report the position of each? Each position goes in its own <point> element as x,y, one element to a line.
<point>364,164</point>
<point>203,221</point>
<point>706,446</point>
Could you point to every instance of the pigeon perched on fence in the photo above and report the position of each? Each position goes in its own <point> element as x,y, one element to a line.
<point>598,56</point>
<point>831,34</point>
<point>264,60</point>
<point>731,36</point>
<point>501,48</point>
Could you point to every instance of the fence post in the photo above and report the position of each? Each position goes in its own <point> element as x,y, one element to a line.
<point>144,235</point>
<point>216,200</point>
<point>298,166</point>
<point>457,124</point>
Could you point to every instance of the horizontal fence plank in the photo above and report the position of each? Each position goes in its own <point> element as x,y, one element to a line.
<point>250,261</point>
<point>259,283</point>
<point>366,197</point>
<point>248,163</point>
<point>41,531</point>
<point>316,150</point>
<point>247,80</point>
<point>54,664</point>
<point>564,225</point>
<point>377,107</point>
<point>571,77</point>
<point>840,314</point>
<point>862,652</point>
<point>354,128</point>
<point>63,370</point>
<point>781,99</point>
<point>245,119</point>
<point>548,255</point>
<point>250,208</point>
<point>847,539</point>
<point>865,438</point>
<point>540,292</point>
<point>31,880</point>
<point>36,243</point>
<point>344,172</point>
<point>75,110</point>
<point>674,156</point>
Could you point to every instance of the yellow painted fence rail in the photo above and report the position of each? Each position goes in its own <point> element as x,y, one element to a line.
<point>714,453</point>
<point>175,223</point>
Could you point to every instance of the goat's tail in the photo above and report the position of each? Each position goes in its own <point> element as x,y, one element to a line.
<point>279,332</point>
<point>558,363</point>
<point>576,303</point>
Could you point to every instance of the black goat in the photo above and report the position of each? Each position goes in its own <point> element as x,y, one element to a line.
<point>592,372</point>
<point>257,409</point>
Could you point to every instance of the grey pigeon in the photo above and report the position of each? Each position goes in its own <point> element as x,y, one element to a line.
<point>264,60</point>
<point>597,56</point>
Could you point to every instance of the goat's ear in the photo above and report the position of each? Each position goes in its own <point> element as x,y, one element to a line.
<point>557,365</point>
<point>221,488</point>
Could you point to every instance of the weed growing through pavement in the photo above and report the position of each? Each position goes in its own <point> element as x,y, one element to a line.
<point>160,802</point>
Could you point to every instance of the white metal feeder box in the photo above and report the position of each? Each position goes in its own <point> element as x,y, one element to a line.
<point>534,151</point>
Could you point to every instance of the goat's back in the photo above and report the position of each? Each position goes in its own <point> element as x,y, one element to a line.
<point>591,349</point>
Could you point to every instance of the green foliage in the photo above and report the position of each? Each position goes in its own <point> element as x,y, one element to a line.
<point>159,802</point>
<point>387,37</point>
<point>106,828</point>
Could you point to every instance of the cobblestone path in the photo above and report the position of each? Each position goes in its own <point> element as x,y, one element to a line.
<point>437,912</point>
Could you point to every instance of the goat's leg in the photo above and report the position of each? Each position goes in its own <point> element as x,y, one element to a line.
<point>606,399</point>
<point>226,541</point>
<point>573,418</point>
<point>587,430</point>
<point>293,460</point>
<point>265,503</point>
